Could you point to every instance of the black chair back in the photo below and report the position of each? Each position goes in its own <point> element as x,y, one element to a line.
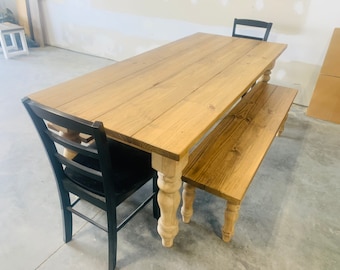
<point>265,28</point>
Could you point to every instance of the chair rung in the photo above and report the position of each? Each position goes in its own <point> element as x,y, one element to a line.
<point>75,202</point>
<point>141,206</point>
<point>87,219</point>
<point>121,225</point>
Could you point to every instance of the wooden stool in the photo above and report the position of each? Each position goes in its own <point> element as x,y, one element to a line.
<point>12,29</point>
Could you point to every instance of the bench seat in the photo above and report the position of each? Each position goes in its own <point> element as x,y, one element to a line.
<point>225,162</point>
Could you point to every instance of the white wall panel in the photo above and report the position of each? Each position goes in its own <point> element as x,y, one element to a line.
<point>118,29</point>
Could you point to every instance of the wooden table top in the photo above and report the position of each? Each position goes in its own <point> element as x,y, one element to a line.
<point>165,100</point>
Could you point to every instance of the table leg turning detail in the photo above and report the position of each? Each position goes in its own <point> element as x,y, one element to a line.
<point>169,182</point>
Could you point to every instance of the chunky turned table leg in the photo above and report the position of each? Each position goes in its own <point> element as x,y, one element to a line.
<point>68,134</point>
<point>266,74</point>
<point>73,136</point>
<point>188,196</point>
<point>169,182</point>
<point>230,218</point>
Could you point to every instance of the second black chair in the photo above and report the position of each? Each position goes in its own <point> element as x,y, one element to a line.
<point>263,27</point>
<point>104,172</point>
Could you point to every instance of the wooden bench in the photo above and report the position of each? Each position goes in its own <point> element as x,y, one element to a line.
<point>225,162</point>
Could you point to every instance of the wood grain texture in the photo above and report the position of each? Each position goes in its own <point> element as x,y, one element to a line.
<point>226,161</point>
<point>230,218</point>
<point>164,100</point>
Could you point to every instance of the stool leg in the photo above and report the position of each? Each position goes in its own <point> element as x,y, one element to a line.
<point>188,196</point>
<point>13,41</point>
<point>23,42</point>
<point>4,45</point>
<point>230,218</point>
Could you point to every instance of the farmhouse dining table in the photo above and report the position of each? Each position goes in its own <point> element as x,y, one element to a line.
<point>165,100</point>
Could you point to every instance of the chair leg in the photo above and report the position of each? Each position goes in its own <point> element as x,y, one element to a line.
<point>112,236</point>
<point>156,211</point>
<point>230,218</point>
<point>188,196</point>
<point>67,216</point>
<point>68,224</point>
<point>112,248</point>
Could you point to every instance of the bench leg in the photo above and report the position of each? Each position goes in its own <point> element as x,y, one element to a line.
<point>188,196</point>
<point>230,218</point>
<point>282,126</point>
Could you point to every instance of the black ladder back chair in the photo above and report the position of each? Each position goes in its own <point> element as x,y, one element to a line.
<point>103,172</point>
<point>263,27</point>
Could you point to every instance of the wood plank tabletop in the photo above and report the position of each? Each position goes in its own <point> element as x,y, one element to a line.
<point>165,100</point>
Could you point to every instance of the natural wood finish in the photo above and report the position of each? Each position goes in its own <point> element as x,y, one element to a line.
<point>225,162</point>
<point>325,102</point>
<point>189,194</point>
<point>199,81</point>
<point>230,218</point>
<point>282,126</point>
<point>266,75</point>
<point>165,100</point>
<point>70,135</point>
<point>85,138</point>
<point>169,182</point>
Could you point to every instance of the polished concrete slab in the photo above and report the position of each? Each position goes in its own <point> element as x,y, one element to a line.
<point>288,220</point>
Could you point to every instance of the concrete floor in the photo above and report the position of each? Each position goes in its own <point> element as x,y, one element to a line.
<point>288,220</point>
